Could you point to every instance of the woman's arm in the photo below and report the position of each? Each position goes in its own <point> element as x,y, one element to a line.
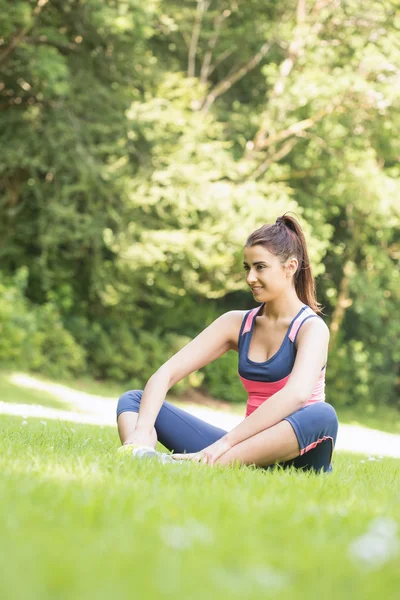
<point>212,342</point>
<point>312,352</point>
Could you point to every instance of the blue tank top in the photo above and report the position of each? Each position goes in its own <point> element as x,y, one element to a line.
<point>263,379</point>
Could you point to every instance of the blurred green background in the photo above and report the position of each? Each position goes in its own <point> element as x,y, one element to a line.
<point>143,141</point>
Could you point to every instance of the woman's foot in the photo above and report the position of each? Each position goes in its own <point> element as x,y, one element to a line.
<point>146,452</point>
<point>129,448</point>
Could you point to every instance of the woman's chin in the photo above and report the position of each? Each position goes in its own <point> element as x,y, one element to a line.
<point>256,293</point>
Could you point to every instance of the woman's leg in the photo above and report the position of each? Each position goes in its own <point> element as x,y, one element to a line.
<point>176,429</point>
<point>316,427</point>
<point>304,440</point>
<point>275,444</point>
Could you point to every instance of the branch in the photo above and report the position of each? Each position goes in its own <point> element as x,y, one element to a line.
<point>228,82</point>
<point>16,39</point>
<point>221,59</point>
<point>300,126</point>
<point>344,301</point>
<point>202,7</point>
<point>286,67</point>
<point>320,5</point>
<point>299,174</point>
<point>284,151</point>
<point>186,38</point>
<point>14,42</point>
<point>62,48</point>
<point>205,68</point>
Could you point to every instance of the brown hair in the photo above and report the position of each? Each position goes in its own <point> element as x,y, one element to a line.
<point>285,238</point>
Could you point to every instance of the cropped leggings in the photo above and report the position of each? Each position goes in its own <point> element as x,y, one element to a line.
<point>315,426</point>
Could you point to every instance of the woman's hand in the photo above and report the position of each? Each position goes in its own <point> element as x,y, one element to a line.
<point>209,455</point>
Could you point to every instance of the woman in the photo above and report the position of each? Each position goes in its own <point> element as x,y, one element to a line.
<point>283,349</point>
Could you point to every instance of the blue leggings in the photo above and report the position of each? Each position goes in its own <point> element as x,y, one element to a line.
<point>315,426</point>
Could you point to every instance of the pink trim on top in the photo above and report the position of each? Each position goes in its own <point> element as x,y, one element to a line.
<point>260,391</point>
<point>318,394</point>
<point>249,320</point>
<point>263,387</point>
<point>296,325</point>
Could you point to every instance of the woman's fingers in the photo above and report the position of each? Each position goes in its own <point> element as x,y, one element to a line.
<point>194,456</point>
<point>199,457</point>
<point>182,456</point>
<point>190,456</point>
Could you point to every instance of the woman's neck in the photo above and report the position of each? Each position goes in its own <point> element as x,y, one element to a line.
<point>282,308</point>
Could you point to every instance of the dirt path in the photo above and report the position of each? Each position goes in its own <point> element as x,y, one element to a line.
<point>98,410</point>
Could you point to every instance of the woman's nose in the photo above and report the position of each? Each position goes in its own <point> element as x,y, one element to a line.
<point>251,277</point>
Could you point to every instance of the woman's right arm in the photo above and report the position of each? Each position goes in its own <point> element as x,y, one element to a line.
<point>211,343</point>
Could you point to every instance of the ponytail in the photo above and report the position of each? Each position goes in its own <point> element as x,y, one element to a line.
<point>285,238</point>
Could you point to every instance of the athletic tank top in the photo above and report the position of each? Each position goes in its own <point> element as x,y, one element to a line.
<point>263,379</point>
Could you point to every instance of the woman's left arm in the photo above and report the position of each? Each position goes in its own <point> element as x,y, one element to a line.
<point>311,357</point>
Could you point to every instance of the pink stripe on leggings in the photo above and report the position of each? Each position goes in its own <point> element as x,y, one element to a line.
<point>314,444</point>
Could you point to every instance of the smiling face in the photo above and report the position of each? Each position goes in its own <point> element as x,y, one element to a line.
<point>265,274</point>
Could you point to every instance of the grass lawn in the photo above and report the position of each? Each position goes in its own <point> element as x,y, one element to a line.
<point>80,522</point>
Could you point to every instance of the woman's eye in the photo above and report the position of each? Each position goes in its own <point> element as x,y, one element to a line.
<point>258,267</point>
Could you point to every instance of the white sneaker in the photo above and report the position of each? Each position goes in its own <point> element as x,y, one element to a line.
<point>144,452</point>
<point>148,452</point>
<point>129,448</point>
<point>167,458</point>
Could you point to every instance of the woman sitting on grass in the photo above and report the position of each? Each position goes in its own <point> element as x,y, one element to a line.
<point>282,346</point>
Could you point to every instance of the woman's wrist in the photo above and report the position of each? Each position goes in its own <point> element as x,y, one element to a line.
<point>228,441</point>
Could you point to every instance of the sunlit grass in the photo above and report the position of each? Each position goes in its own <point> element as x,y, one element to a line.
<point>86,523</point>
<point>385,418</point>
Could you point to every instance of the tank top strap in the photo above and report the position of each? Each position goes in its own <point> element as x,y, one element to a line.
<point>248,320</point>
<point>306,314</point>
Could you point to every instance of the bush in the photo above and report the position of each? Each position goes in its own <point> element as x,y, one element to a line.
<point>116,351</point>
<point>356,377</point>
<point>222,381</point>
<point>34,337</point>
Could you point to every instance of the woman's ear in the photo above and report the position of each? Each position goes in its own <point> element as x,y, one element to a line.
<point>291,266</point>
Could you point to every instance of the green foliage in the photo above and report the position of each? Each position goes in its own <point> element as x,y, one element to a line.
<point>121,352</point>
<point>33,337</point>
<point>221,379</point>
<point>143,142</point>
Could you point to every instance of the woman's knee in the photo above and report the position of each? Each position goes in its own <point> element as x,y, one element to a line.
<point>129,401</point>
<point>327,417</point>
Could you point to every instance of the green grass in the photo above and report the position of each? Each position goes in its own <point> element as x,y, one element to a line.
<point>385,418</point>
<point>79,521</point>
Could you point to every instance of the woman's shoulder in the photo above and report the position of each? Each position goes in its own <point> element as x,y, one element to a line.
<point>234,316</point>
<point>233,320</point>
<point>320,317</point>
<point>311,321</point>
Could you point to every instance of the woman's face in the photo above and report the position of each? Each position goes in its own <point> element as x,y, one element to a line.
<point>265,274</point>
